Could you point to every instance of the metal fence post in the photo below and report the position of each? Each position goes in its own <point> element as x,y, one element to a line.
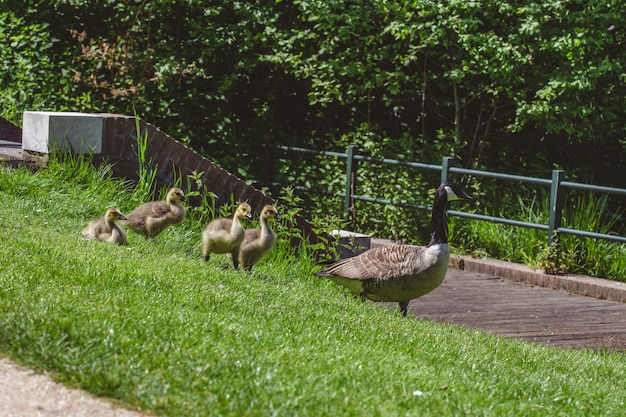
<point>556,205</point>
<point>351,168</point>
<point>446,163</point>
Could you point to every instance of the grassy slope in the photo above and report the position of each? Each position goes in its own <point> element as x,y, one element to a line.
<point>153,325</point>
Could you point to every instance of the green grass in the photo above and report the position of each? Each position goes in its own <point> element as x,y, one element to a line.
<point>155,327</point>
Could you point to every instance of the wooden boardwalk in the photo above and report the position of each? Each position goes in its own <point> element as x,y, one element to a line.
<point>524,311</point>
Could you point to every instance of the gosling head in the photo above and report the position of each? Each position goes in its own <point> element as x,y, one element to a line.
<point>175,195</point>
<point>114,214</point>
<point>244,211</point>
<point>270,212</point>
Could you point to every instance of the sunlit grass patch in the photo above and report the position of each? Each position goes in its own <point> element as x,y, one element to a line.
<point>156,327</point>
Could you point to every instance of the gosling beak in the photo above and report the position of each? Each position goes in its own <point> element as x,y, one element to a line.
<point>249,215</point>
<point>122,217</point>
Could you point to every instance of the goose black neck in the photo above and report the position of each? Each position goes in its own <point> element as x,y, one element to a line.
<point>438,220</point>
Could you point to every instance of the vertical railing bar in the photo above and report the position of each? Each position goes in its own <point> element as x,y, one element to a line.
<point>446,164</point>
<point>351,168</point>
<point>556,205</point>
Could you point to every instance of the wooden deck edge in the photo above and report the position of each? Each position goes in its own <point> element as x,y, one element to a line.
<point>600,288</point>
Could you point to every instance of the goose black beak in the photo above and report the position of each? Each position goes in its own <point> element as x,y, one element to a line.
<point>122,217</point>
<point>466,196</point>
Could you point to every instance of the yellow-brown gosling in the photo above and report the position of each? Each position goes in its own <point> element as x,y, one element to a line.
<point>257,242</point>
<point>400,273</point>
<point>106,229</point>
<point>152,218</point>
<point>225,235</point>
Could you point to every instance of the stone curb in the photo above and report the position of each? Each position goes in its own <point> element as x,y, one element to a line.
<point>600,288</point>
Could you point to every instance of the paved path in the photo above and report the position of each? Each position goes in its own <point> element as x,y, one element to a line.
<point>521,310</point>
<point>24,393</point>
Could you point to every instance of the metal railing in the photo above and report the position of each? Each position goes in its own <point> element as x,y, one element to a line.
<point>557,184</point>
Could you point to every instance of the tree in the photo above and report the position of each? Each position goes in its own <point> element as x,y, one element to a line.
<point>494,84</point>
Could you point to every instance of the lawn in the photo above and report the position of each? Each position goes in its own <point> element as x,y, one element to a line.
<point>155,327</point>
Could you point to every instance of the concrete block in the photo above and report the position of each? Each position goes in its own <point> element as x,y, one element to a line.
<point>43,132</point>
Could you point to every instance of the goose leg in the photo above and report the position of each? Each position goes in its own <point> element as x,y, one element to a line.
<point>235,255</point>
<point>403,307</point>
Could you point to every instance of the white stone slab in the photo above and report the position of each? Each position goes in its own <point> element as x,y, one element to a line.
<point>43,132</point>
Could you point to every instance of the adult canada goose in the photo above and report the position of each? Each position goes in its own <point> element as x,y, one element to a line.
<point>152,218</point>
<point>257,242</point>
<point>106,229</point>
<point>400,273</point>
<point>225,235</point>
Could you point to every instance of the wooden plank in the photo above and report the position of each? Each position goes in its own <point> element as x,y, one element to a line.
<point>523,311</point>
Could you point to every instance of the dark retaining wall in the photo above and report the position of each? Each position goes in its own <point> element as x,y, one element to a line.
<point>10,132</point>
<point>172,159</point>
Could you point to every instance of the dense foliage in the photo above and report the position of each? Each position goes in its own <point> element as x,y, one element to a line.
<point>497,85</point>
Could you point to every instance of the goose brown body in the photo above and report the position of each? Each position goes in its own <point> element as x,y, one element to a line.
<point>152,218</point>
<point>224,235</point>
<point>106,229</point>
<point>257,242</point>
<point>400,273</point>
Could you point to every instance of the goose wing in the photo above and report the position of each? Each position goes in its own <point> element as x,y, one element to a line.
<point>152,209</point>
<point>251,236</point>
<point>159,209</point>
<point>220,225</point>
<point>383,263</point>
<point>95,228</point>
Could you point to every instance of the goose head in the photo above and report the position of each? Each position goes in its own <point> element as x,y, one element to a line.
<point>269,212</point>
<point>243,211</point>
<point>453,192</point>
<point>175,195</point>
<point>113,215</point>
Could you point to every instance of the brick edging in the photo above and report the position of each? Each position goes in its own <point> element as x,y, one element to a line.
<point>600,288</point>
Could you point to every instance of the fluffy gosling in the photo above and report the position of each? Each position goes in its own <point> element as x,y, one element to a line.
<point>106,229</point>
<point>225,235</point>
<point>150,219</point>
<point>257,242</point>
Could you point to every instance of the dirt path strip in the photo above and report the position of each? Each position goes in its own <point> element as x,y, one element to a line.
<point>24,393</point>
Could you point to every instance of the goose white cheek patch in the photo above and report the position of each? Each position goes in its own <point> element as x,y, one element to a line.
<point>451,194</point>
